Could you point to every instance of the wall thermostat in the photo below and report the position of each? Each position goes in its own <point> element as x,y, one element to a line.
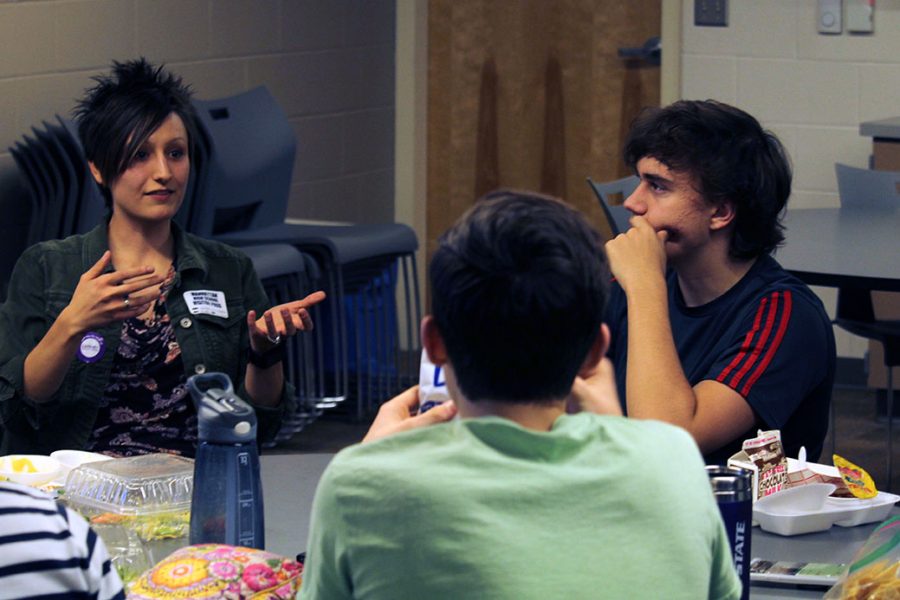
<point>829,16</point>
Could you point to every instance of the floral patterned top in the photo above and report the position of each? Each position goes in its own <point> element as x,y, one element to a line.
<point>145,407</point>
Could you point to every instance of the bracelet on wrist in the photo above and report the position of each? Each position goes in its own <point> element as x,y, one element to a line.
<point>268,358</point>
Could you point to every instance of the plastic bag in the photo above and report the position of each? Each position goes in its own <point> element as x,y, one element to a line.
<point>874,573</point>
<point>220,572</point>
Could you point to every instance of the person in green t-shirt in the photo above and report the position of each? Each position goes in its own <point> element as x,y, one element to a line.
<point>506,493</point>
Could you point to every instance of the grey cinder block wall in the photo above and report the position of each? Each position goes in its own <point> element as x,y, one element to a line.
<point>329,63</point>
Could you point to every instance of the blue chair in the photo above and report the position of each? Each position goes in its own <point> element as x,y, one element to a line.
<point>611,195</point>
<point>91,208</point>
<point>49,170</point>
<point>17,206</point>
<point>51,189</point>
<point>245,202</point>
<point>867,188</point>
<point>286,274</point>
<point>34,190</point>
<point>68,177</point>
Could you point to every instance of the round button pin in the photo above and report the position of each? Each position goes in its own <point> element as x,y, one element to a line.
<point>91,348</point>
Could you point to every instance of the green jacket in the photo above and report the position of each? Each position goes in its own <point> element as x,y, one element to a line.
<point>42,284</point>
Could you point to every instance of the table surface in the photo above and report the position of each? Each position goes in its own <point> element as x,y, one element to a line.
<point>289,483</point>
<point>834,247</point>
<point>882,128</point>
<point>837,545</point>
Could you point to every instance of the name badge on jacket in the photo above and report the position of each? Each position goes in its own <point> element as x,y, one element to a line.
<point>206,302</point>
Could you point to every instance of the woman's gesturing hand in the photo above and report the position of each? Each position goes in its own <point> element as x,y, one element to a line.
<point>281,321</point>
<point>101,298</point>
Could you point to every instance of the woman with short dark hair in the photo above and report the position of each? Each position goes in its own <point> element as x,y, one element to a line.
<point>102,330</point>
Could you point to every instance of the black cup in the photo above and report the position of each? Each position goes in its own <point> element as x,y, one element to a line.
<point>732,488</point>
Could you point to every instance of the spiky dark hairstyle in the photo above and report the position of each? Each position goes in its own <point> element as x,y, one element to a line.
<point>117,115</point>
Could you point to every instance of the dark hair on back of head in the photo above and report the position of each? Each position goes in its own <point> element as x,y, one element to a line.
<point>519,286</point>
<point>730,157</point>
<point>123,109</point>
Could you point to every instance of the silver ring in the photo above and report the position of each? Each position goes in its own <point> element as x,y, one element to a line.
<point>275,340</point>
<point>127,301</point>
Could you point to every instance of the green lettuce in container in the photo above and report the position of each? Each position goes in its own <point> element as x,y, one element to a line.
<point>140,506</point>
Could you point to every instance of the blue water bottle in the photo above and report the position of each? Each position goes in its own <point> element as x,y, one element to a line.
<point>227,502</point>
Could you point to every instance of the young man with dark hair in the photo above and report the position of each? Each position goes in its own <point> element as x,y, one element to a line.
<point>708,331</point>
<point>516,498</point>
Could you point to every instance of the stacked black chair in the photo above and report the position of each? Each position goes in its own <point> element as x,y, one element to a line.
<point>244,202</point>
<point>89,209</point>
<point>60,196</point>
<point>60,188</point>
<point>25,161</point>
<point>286,274</point>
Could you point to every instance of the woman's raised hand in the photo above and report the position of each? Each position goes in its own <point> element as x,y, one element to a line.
<point>101,298</point>
<point>281,321</point>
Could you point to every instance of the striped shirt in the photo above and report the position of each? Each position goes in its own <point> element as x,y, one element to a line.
<point>768,338</point>
<point>50,552</point>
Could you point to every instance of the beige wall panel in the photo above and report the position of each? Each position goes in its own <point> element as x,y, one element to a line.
<point>214,78</point>
<point>241,27</point>
<point>46,95</point>
<point>173,30</point>
<point>93,32</point>
<point>32,53</point>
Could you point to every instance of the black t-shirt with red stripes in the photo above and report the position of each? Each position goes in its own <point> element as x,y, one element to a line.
<point>768,338</point>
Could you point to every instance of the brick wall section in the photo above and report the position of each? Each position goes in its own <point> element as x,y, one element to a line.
<point>329,63</point>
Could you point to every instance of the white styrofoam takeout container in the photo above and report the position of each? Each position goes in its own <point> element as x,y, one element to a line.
<point>794,512</point>
<point>46,469</point>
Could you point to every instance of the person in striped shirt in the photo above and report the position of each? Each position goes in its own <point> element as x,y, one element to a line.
<point>709,332</point>
<point>48,551</point>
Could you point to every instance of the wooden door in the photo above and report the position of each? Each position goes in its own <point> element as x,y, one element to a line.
<point>531,94</point>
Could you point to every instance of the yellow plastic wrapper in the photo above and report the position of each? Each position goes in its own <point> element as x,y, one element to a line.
<point>858,481</point>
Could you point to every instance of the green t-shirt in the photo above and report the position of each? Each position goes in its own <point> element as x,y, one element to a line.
<point>598,507</point>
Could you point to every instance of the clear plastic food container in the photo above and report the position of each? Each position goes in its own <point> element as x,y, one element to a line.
<point>140,506</point>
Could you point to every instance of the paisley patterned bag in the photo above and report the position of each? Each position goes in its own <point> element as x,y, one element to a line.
<point>218,571</point>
